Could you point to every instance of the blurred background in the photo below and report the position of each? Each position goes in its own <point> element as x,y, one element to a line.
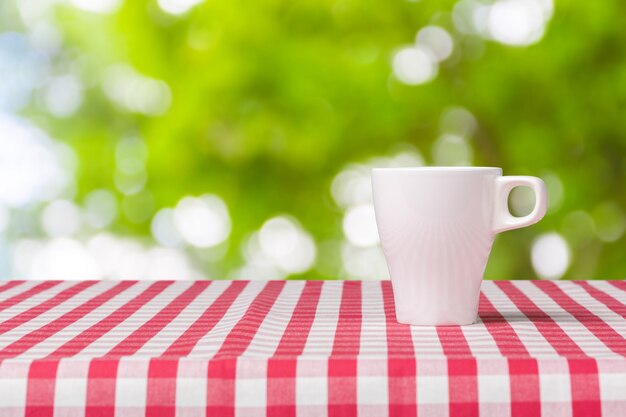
<point>188,139</point>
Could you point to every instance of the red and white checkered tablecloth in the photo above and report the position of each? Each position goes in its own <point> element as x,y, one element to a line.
<point>307,348</point>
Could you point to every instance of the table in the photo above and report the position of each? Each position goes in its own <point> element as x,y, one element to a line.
<point>306,348</point>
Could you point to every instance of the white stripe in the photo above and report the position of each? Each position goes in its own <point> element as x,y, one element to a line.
<point>480,340</point>
<point>312,387</point>
<point>585,340</point>
<point>555,390</point>
<point>251,388</point>
<point>532,339</point>
<point>598,308</point>
<point>322,334</point>
<point>164,339</point>
<point>211,342</point>
<point>13,383</point>
<point>124,329</point>
<point>19,288</point>
<point>372,382</point>
<point>50,344</point>
<point>619,295</point>
<point>374,324</point>
<point>131,385</point>
<point>269,334</point>
<point>372,395</point>
<point>426,342</point>
<point>191,387</point>
<point>70,388</point>
<point>54,313</point>
<point>33,300</point>
<point>494,388</point>
<point>432,388</point>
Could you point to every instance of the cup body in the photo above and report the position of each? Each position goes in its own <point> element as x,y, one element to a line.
<point>436,227</point>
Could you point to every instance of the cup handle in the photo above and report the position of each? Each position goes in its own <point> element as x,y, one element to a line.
<point>503,220</point>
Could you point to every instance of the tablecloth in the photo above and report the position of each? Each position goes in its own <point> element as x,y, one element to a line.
<point>306,348</point>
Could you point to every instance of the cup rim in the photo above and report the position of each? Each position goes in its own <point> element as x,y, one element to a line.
<point>438,169</point>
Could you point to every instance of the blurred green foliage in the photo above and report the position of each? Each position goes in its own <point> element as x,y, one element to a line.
<point>271,99</point>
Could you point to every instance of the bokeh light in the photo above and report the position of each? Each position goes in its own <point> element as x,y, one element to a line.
<point>516,22</point>
<point>359,225</point>
<point>203,221</point>
<point>610,221</point>
<point>352,186</point>
<point>281,247</point>
<point>287,244</point>
<point>63,96</point>
<point>510,22</point>
<point>436,40</point>
<point>414,65</point>
<point>21,70</point>
<point>134,92</point>
<point>61,218</point>
<point>31,168</point>
<point>550,256</point>
<point>452,150</point>
<point>100,208</point>
<point>60,258</point>
<point>164,228</point>
<point>578,227</point>
<point>458,121</point>
<point>364,263</point>
<point>97,6</point>
<point>177,7</point>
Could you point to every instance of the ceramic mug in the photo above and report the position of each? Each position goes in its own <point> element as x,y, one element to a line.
<point>436,227</point>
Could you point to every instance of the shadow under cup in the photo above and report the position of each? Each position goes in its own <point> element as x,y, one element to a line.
<point>437,227</point>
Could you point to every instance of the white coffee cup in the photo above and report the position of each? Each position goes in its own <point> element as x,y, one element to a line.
<point>436,227</point>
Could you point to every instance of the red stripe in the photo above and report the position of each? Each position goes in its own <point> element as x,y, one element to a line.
<point>161,390</point>
<point>462,372</point>
<point>524,382</point>
<point>41,308</point>
<point>281,368</point>
<point>523,373</point>
<point>185,343</point>
<point>40,389</point>
<point>18,298</point>
<point>593,323</point>
<point>618,284</point>
<point>347,339</point>
<point>137,339</point>
<point>10,284</point>
<point>220,388</point>
<point>453,342</point>
<point>101,381</point>
<point>586,401</point>
<point>244,331</point>
<point>401,367</point>
<point>96,331</point>
<point>463,387</point>
<point>613,304</point>
<point>37,336</point>
<point>506,339</point>
<point>221,403</point>
<point>548,328</point>
<point>342,365</point>
<point>295,335</point>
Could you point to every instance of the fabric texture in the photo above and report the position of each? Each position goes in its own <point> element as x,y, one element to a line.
<point>307,348</point>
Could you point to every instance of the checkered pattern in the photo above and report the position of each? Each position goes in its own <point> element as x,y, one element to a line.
<point>307,348</point>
